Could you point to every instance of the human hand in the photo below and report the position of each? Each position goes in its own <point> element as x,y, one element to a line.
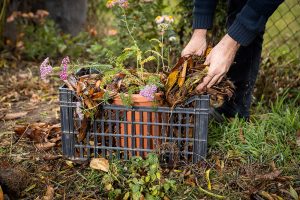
<point>197,45</point>
<point>219,60</point>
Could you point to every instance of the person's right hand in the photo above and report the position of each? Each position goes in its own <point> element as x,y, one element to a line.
<point>197,45</point>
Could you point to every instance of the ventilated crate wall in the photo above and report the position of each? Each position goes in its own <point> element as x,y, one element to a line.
<point>120,132</point>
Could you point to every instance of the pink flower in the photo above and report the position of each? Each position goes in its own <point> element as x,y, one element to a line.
<point>123,3</point>
<point>169,19</point>
<point>45,69</point>
<point>111,3</point>
<point>159,19</point>
<point>164,19</point>
<point>148,91</point>
<point>64,73</point>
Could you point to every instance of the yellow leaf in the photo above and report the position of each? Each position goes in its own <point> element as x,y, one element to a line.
<point>158,175</point>
<point>99,164</point>
<point>208,50</point>
<point>207,179</point>
<point>216,196</point>
<point>181,78</point>
<point>126,196</point>
<point>172,79</point>
<point>147,179</point>
<point>69,163</point>
<point>108,187</point>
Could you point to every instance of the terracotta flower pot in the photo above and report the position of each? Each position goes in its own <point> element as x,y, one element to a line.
<point>139,100</point>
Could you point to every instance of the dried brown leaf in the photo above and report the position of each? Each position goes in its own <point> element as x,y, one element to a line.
<point>266,195</point>
<point>82,130</point>
<point>45,146</point>
<point>270,176</point>
<point>100,164</point>
<point>11,116</point>
<point>298,138</point>
<point>182,75</point>
<point>191,181</point>
<point>171,81</point>
<point>49,195</point>
<point>98,95</point>
<point>51,157</point>
<point>89,103</point>
<point>1,194</point>
<point>242,137</point>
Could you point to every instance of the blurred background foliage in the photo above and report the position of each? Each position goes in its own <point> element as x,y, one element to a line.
<point>104,34</point>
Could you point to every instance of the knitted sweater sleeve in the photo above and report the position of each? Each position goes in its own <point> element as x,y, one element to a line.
<point>252,20</point>
<point>248,23</point>
<point>203,13</point>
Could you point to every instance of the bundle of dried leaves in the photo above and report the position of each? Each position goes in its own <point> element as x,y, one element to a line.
<point>187,74</point>
<point>44,135</point>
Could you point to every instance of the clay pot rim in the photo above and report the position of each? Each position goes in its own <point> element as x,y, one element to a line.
<point>139,98</point>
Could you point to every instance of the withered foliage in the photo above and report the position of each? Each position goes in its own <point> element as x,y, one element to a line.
<point>187,74</point>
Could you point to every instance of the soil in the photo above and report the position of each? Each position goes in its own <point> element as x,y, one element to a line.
<point>27,172</point>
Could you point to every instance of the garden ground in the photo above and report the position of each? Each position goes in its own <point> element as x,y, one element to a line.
<point>258,160</point>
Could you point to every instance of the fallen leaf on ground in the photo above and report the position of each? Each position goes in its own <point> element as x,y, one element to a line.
<point>51,157</point>
<point>39,132</point>
<point>1,194</point>
<point>11,116</point>
<point>45,146</point>
<point>99,164</point>
<point>49,193</point>
<point>266,195</point>
<point>207,173</point>
<point>298,138</point>
<point>69,163</point>
<point>190,181</point>
<point>269,176</point>
<point>242,137</point>
<point>293,193</point>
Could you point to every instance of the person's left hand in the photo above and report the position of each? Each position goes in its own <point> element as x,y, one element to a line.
<point>219,60</point>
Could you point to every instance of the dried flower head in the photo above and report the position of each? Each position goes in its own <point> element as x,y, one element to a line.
<point>79,110</point>
<point>163,27</point>
<point>45,69</point>
<point>149,91</point>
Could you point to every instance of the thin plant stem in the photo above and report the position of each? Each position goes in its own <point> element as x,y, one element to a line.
<point>162,49</point>
<point>134,42</point>
<point>127,27</point>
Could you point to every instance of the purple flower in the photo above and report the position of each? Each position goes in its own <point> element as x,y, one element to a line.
<point>123,3</point>
<point>148,91</point>
<point>45,69</point>
<point>64,73</point>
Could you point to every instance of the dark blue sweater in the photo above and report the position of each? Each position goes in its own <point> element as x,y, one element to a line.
<point>248,23</point>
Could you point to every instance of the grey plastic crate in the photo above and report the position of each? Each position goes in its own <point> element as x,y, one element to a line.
<point>177,134</point>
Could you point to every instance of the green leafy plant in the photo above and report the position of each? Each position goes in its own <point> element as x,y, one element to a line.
<point>140,178</point>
